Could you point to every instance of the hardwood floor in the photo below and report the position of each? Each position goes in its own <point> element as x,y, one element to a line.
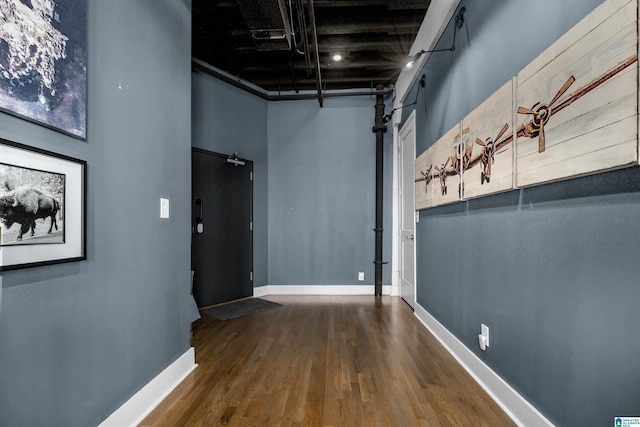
<point>325,361</point>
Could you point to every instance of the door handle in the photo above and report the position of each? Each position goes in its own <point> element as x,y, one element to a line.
<point>199,216</point>
<point>199,211</point>
<point>410,237</point>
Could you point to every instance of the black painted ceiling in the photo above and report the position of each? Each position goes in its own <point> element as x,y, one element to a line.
<point>374,36</point>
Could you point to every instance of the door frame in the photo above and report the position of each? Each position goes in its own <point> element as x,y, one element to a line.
<point>397,211</point>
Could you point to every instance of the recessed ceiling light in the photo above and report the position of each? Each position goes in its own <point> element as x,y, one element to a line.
<point>337,57</point>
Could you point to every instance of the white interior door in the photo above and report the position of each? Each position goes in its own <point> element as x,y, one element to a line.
<point>407,157</point>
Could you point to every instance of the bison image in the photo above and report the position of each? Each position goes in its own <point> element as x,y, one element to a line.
<point>26,204</point>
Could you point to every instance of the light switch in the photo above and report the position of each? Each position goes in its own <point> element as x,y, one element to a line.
<point>484,331</point>
<point>164,208</point>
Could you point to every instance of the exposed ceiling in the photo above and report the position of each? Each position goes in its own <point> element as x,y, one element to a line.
<point>271,43</point>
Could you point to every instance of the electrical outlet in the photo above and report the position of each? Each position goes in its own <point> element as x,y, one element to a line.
<point>484,331</point>
<point>361,276</point>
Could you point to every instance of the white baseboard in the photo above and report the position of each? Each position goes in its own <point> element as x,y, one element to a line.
<point>322,290</point>
<point>261,291</point>
<point>134,410</point>
<point>511,402</point>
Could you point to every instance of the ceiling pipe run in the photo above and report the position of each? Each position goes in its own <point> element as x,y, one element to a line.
<point>198,65</point>
<point>314,35</point>
<point>302,25</point>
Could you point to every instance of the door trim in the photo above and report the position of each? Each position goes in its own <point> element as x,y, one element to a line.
<point>395,216</point>
<point>397,211</point>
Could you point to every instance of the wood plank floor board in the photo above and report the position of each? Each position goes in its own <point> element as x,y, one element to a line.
<point>325,361</point>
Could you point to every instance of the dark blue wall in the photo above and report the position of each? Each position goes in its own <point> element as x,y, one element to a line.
<point>552,270</point>
<point>229,120</point>
<point>78,339</point>
<point>322,172</point>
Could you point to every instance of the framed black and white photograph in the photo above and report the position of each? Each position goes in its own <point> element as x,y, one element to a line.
<point>43,73</point>
<point>42,207</point>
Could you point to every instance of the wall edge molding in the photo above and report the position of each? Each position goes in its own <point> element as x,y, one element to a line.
<point>512,403</point>
<point>134,410</point>
<point>321,290</point>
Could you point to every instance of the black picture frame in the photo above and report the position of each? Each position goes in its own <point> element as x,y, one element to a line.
<point>27,209</point>
<point>46,82</point>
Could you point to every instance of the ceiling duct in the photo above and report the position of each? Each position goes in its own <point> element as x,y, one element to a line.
<point>268,23</point>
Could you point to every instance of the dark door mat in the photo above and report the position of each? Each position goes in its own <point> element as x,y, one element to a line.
<point>240,308</point>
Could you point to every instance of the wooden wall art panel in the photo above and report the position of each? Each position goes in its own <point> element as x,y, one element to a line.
<point>425,174</point>
<point>577,103</point>
<point>446,165</point>
<point>487,141</point>
<point>576,114</point>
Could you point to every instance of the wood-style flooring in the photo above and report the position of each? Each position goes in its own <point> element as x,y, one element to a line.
<point>325,361</point>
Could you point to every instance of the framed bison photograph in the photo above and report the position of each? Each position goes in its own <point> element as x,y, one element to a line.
<point>42,207</point>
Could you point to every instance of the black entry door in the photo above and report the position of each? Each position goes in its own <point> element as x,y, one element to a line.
<point>221,242</point>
